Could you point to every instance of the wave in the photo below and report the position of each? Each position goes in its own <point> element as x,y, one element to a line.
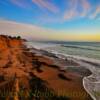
<point>39,45</point>
<point>81,47</point>
<point>90,83</point>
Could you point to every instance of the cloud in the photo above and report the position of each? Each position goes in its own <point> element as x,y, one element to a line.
<point>73,12</point>
<point>24,30</point>
<point>73,9</point>
<point>95,13</point>
<point>33,32</point>
<point>46,5</point>
<point>86,7</point>
<point>21,3</point>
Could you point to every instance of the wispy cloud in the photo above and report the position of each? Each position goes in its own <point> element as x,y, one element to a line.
<point>24,30</point>
<point>21,3</point>
<point>34,32</point>
<point>73,10</point>
<point>95,13</point>
<point>46,5</point>
<point>86,7</point>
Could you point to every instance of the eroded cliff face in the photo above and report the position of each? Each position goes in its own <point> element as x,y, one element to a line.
<point>12,59</point>
<point>28,76</point>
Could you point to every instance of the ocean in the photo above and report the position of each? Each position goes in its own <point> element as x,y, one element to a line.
<point>87,54</point>
<point>80,49</point>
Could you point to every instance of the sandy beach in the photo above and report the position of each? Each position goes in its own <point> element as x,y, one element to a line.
<point>38,75</point>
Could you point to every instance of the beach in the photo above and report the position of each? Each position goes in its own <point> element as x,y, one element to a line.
<point>49,49</point>
<point>35,74</point>
<point>91,62</point>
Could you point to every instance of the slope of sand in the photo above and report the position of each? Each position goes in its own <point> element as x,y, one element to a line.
<point>26,75</point>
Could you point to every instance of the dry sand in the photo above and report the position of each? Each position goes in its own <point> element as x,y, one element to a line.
<point>28,76</point>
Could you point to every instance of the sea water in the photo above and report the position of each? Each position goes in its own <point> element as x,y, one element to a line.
<point>87,51</point>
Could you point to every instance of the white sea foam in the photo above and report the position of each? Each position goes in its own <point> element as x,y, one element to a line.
<point>91,83</point>
<point>39,45</point>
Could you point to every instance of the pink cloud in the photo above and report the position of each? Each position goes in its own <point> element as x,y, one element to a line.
<point>95,13</point>
<point>72,12</point>
<point>86,7</point>
<point>47,5</point>
<point>20,3</point>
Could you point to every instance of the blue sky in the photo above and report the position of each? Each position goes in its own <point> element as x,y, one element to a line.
<point>67,16</point>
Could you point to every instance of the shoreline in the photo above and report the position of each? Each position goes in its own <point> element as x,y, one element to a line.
<point>27,69</point>
<point>94,63</point>
<point>90,61</point>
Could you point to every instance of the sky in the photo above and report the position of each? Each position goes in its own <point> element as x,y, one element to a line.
<point>62,20</point>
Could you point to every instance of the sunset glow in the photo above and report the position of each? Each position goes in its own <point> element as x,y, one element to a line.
<point>66,20</point>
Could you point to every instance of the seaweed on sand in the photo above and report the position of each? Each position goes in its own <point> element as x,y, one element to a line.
<point>63,77</point>
<point>40,90</point>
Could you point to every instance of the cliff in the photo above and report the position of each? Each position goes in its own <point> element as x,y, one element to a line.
<point>28,76</point>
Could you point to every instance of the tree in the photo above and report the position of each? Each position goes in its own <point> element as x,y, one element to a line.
<point>18,37</point>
